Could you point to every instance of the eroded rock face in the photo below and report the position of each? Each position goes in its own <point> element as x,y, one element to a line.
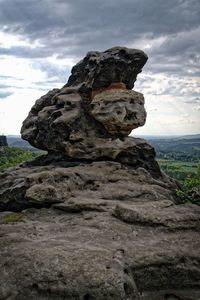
<point>96,231</point>
<point>3,141</point>
<point>119,110</point>
<point>96,218</point>
<point>42,186</point>
<point>99,69</point>
<point>94,111</point>
<point>3,144</point>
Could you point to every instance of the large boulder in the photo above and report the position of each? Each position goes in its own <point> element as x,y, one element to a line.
<point>96,231</point>
<point>95,218</point>
<point>3,144</point>
<point>93,114</point>
<point>99,69</point>
<point>120,111</point>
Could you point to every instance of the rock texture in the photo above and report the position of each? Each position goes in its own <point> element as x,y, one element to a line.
<point>119,111</point>
<point>93,114</point>
<point>42,186</point>
<point>97,231</point>
<point>3,144</point>
<point>95,218</point>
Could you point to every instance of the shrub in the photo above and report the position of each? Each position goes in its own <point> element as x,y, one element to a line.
<point>14,156</point>
<point>190,192</point>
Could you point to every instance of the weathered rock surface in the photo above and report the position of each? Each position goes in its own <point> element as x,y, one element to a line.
<point>99,69</point>
<point>102,230</point>
<point>3,144</point>
<point>119,110</point>
<point>3,141</point>
<point>51,254</point>
<point>95,218</point>
<point>94,111</point>
<point>42,186</point>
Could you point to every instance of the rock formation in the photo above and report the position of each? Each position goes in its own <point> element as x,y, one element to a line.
<point>93,114</point>
<point>95,218</point>
<point>3,144</point>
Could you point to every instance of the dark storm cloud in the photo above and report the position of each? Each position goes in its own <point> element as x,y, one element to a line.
<point>74,27</point>
<point>25,52</point>
<point>70,28</point>
<point>178,54</point>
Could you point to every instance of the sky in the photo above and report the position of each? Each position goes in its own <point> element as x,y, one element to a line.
<point>40,41</point>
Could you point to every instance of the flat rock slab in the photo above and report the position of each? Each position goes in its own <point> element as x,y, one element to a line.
<point>160,213</point>
<point>96,231</point>
<point>42,186</point>
<point>52,254</point>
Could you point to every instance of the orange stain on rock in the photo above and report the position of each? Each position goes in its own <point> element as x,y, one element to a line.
<point>114,85</point>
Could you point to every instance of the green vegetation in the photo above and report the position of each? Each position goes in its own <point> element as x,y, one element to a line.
<point>179,170</point>
<point>179,158</point>
<point>14,156</point>
<point>11,218</point>
<point>190,191</point>
<point>184,156</point>
<point>188,173</point>
<point>185,148</point>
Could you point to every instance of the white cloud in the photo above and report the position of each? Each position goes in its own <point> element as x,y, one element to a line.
<point>39,48</point>
<point>197,107</point>
<point>7,40</point>
<point>20,68</point>
<point>15,109</point>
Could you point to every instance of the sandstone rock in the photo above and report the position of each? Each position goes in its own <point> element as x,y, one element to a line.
<point>42,186</point>
<point>160,213</point>
<point>3,141</point>
<point>117,234</point>
<point>119,111</point>
<point>40,193</point>
<point>79,204</point>
<point>124,65</point>
<point>95,218</point>
<point>58,254</point>
<point>90,116</point>
<point>3,144</point>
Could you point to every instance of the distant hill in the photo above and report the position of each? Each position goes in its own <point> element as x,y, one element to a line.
<point>189,137</point>
<point>186,148</point>
<point>182,143</point>
<point>17,141</point>
<point>168,137</point>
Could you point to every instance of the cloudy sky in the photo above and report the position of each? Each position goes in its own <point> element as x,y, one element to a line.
<point>40,40</point>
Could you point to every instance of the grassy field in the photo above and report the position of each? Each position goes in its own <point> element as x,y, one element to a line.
<point>14,156</point>
<point>178,169</point>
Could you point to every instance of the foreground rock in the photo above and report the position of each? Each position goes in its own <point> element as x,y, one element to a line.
<point>50,254</point>
<point>108,232</point>
<point>42,186</point>
<point>95,218</point>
